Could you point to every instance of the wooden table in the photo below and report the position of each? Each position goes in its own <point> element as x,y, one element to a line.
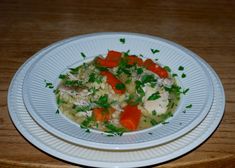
<point>206,27</point>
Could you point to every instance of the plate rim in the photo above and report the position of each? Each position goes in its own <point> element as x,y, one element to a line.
<point>99,145</point>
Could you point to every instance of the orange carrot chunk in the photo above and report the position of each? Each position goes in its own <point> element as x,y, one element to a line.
<point>148,62</point>
<point>155,68</point>
<point>106,63</point>
<point>113,82</point>
<point>130,117</point>
<point>132,59</point>
<point>101,114</point>
<point>161,72</point>
<point>114,56</point>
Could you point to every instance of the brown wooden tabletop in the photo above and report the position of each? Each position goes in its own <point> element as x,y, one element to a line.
<point>205,27</point>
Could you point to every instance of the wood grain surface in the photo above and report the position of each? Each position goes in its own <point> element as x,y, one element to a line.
<point>205,27</point>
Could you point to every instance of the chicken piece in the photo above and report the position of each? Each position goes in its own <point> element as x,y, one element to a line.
<point>159,105</point>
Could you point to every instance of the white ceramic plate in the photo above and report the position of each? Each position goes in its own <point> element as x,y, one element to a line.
<point>102,158</point>
<point>41,103</point>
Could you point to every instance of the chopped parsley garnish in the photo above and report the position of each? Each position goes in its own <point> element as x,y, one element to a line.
<point>126,53</point>
<point>154,51</point>
<point>167,68</point>
<point>73,83</point>
<point>120,86</point>
<point>78,108</point>
<point>148,79</point>
<point>88,131</point>
<point>181,68</point>
<point>128,81</point>
<point>99,79</point>
<point>113,130</point>
<point>74,70</point>
<point>123,67</point>
<point>103,101</point>
<point>122,40</point>
<point>56,91</point>
<point>156,59</point>
<point>153,122</point>
<point>136,101</point>
<point>165,122</point>
<point>86,123</point>
<point>93,90</point>
<point>154,112</point>
<point>189,106</point>
<point>133,99</point>
<point>164,116</point>
<point>85,65</point>
<point>123,70</point>
<point>92,77</point>
<point>59,101</point>
<point>150,133</point>
<point>57,111</point>
<point>174,89</point>
<point>153,84</point>
<point>185,91</point>
<point>48,84</point>
<point>139,71</point>
<point>95,78</point>
<point>141,55</point>
<point>62,76</point>
<point>101,68</point>
<point>174,75</point>
<point>140,91</point>
<point>183,75</point>
<point>154,96</point>
<point>138,88</point>
<point>138,83</point>
<point>83,55</point>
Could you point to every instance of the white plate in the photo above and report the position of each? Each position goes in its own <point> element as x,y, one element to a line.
<point>102,158</point>
<point>41,103</point>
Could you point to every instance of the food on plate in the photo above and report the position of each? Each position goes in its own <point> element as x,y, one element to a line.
<point>118,93</point>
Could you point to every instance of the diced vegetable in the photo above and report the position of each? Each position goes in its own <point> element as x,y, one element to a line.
<point>148,62</point>
<point>132,59</point>
<point>113,82</point>
<point>155,68</point>
<point>130,117</point>
<point>102,114</point>
<point>112,60</point>
<point>161,72</point>
<point>106,63</point>
<point>114,56</point>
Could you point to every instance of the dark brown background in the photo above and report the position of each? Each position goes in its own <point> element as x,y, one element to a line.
<point>206,27</point>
